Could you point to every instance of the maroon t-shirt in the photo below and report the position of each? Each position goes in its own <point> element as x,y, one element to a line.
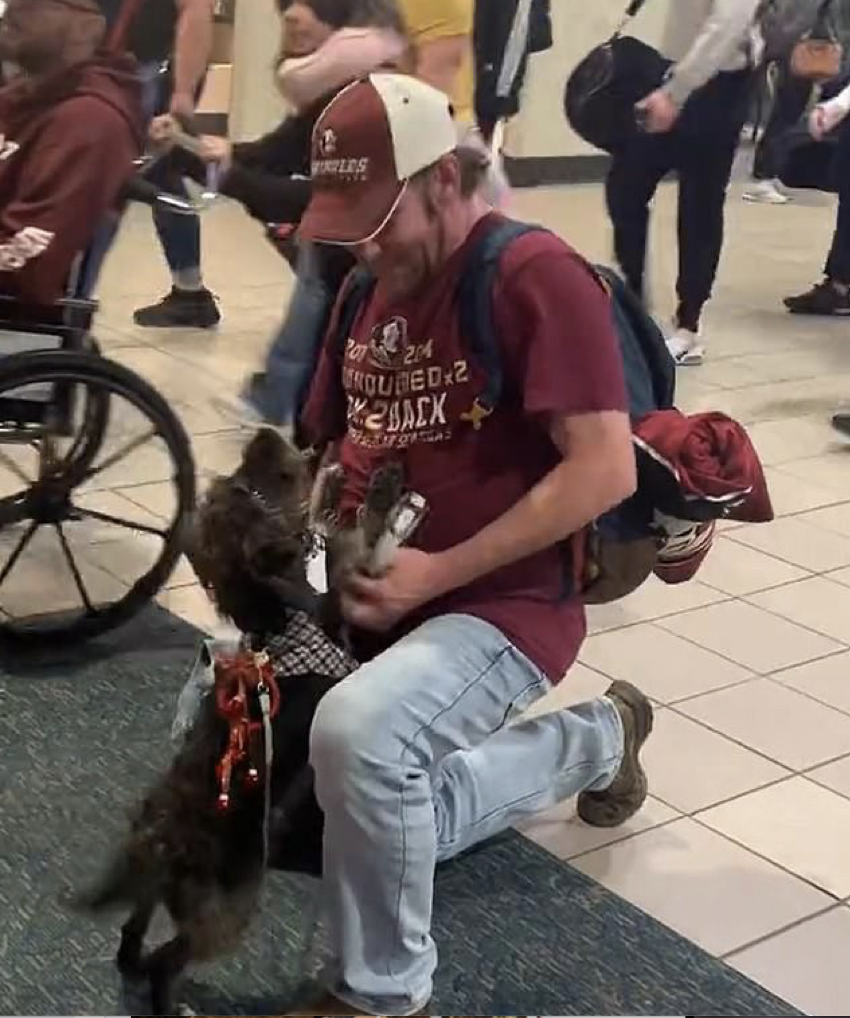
<point>405,383</point>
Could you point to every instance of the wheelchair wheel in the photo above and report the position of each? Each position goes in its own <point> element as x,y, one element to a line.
<point>69,502</point>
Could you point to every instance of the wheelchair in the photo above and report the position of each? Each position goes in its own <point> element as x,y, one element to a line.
<point>71,420</point>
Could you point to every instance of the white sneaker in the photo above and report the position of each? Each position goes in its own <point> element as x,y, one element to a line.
<point>239,411</point>
<point>766,192</point>
<point>246,417</point>
<point>686,347</point>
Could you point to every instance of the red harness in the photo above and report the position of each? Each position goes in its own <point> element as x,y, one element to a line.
<point>238,678</point>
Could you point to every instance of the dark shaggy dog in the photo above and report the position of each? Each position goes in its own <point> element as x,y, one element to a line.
<point>205,864</point>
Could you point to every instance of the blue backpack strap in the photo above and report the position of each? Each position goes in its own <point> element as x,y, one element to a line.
<point>650,372</point>
<point>356,291</point>
<point>475,309</point>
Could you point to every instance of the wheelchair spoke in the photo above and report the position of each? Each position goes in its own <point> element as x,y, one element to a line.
<point>19,549</point>
<point>117,521</point>
<point>116,457</point>
<point>10,464</point>
<point>72,565</point>
<point>12,509</point>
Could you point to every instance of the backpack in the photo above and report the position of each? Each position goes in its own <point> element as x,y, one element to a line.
<point>784,23</point>
<point>602,90</point>
<point>649,370</point>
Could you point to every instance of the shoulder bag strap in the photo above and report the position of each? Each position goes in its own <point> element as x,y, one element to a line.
<point>632,12</point>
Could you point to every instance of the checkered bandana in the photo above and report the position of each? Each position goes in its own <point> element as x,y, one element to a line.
<point>305,647</point>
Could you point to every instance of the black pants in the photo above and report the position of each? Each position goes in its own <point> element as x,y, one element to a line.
<point>789,104</point>
<point>838,262</point>
<point>700,150</point>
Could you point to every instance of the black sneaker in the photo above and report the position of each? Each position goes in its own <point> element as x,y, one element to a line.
<point>180,309</point>
<point>823,299</point>
<point>841,423</point>
<point>626,794</point>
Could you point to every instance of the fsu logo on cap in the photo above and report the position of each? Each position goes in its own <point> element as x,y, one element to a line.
<point>327,144</point>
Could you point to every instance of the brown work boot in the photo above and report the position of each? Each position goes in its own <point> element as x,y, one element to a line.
<point>619,802</point>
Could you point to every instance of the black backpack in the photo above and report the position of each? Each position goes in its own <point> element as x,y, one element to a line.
<point>601,93</point>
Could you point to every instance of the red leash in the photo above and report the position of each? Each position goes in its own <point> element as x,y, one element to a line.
<point>237,680</point>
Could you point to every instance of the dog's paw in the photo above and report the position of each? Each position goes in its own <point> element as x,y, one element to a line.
<point>327,493</point>
<point>184,1009</point>
<point>385,488</point>
<point>131,965</point>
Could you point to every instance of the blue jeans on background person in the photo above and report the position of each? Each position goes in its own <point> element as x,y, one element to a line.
<point>415,762</point>
<point>179,235</point>
<point>278,394</point>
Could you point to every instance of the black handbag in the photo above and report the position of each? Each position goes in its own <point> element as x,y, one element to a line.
<point>806,163</point>
<point>603,90</point>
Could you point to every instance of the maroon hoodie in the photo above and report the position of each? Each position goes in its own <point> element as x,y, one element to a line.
<point>67,145</point>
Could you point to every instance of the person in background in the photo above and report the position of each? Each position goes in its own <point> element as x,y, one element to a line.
<point>414,757</point>
<point>326,44</point>
<point>693,125</point>
<point>831,296</point>
<point>438,48</point>
<point>172,41</point>
<point>506,34</point>
<point>70,129</point>
<point>440,33</point>
<point>791,98</point>
<point>270,176</point>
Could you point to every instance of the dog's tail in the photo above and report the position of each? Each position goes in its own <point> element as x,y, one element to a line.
<point>117,887</point>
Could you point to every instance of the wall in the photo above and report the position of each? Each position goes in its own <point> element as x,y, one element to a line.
<point>540,131</point>
<point>255,106</point>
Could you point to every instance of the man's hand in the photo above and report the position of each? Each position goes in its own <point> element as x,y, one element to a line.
<point>659,112</point>
<point>182,106</point>
<point>412,580</point>
<point>824,118</point>
<point>216,150</point>
<point>161,131</point>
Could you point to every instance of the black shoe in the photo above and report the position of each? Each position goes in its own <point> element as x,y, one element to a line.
<point>626,794</point>
<point>823,299</point>
<point>180,309</point>
<point>841,423</point>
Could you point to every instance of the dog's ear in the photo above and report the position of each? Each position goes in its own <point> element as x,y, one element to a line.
<point>267,557</point>
<point>279,565</point>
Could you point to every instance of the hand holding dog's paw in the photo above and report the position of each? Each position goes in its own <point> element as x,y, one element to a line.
<point>378,604</point>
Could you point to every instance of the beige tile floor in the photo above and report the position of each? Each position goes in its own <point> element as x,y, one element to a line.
<point>744,845</point>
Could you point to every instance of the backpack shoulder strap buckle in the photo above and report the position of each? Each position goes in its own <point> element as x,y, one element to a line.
<point>477,414</point>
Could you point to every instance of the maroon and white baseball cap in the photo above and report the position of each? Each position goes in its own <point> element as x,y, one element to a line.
<point>368,142</point>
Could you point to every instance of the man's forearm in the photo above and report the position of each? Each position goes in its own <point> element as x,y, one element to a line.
<point>723,33</point>
<point>192,45</point>
<point>570,497</point>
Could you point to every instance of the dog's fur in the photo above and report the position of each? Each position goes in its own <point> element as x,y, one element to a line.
<point>249,548</point>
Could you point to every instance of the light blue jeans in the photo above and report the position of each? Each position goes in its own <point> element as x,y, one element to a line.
<point>415,761</point>
<point>279,393</point>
